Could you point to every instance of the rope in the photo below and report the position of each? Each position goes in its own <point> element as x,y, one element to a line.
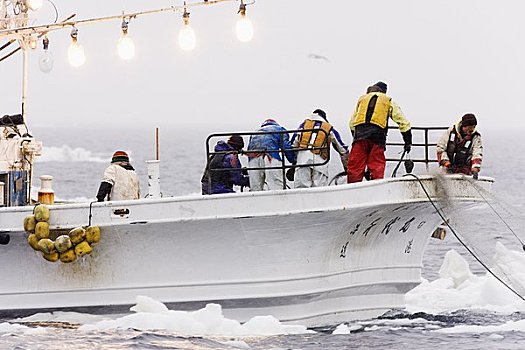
<point>445,221</point>
<point>497,214</point>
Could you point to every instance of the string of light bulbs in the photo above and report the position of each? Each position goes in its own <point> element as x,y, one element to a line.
<point>28,35</point>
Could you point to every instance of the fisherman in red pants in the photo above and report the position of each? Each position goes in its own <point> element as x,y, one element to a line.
<point>369,124</point>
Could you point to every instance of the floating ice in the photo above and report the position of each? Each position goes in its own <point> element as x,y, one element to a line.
<point>457,288</point>
<point>151,314</point>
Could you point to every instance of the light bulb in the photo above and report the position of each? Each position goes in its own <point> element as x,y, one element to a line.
<point>187,39</point>
<point>34,4</point>
<point>244,29</point>
<point>126,47</point>
<point>45,61</point>
<point>75,54</point>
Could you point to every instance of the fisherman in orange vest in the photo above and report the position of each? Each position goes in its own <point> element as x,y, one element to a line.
<point>318,142</point>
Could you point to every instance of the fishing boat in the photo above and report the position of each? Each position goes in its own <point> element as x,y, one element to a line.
<point>310,256</point>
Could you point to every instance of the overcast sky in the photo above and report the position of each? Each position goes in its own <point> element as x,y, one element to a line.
<point>441,59</point>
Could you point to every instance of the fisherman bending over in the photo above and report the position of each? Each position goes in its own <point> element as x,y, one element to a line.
<point>222,181</point>
<point>460,150</point>
<point>316,175</point>
<point>258,157</point>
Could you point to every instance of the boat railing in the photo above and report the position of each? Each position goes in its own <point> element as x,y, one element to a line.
<point>282,150</point>
<point>419,133</point>
<point>426,144</point>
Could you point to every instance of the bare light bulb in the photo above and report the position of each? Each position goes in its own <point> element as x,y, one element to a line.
<point>244,29</point>
<point>187,39</point>
<point>45,59</point>
<point>126,47</point>
<point>34,5</point>
<point>244,26</point>
<point>75,54</point>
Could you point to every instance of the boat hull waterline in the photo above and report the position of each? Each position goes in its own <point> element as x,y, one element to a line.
<point>307,256</point>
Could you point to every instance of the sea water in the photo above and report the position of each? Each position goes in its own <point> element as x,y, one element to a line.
<point>457,304</point>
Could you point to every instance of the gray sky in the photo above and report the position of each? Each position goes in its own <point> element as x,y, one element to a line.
<point>441,59</point>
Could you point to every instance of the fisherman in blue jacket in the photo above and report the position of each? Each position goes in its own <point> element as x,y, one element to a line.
<point>222,181</point>
<point>264,151</point>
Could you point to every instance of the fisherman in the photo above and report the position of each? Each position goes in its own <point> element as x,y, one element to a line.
<point>264,152</point>
<point>460,150</point>
<point>369,126</point>
<point>222,181</point>
<point>316,175</point>
<point>120,182</point>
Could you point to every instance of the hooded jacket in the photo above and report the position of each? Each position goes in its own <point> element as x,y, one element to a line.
<point>269,144</point>
<point>222,181</point>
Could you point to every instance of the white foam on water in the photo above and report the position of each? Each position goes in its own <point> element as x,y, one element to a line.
<point>458,288</point>
<point>68,154</point>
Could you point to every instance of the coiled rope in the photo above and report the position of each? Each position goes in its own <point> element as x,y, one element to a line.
<point>445,221</point>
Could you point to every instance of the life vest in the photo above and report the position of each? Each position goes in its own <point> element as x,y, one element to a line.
<point>373,108</point>
<point>459,149</point>
<point>217,176</point>
<point>318,140</point>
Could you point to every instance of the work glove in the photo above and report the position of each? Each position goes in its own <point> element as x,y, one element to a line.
<point>407,138</point>
<point>445,164</point>
<point>344,161</point>
<point>475,172</point>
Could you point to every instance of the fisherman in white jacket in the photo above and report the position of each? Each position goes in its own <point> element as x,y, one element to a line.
<point>120,182</point>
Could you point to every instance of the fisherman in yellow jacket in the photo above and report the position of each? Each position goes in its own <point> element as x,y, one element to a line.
<point>369,125</point>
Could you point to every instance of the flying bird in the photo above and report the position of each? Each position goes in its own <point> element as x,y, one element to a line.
<point>317,57</point>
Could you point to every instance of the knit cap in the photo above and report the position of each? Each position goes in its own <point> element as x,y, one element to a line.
<point>120,156</point>
<point>469,119</point>
<point>236,142</point>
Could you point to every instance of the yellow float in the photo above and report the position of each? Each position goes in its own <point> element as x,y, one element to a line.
<point>66,248</point>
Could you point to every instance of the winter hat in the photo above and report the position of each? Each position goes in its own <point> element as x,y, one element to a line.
<point>236,142</point>
<point>382,86</point>
<point>120,156</point>
<point>469,119</point>
<point>268,121</point>
<point>321,113</point>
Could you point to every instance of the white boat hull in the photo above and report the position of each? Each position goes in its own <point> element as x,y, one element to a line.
<point>313,256</point>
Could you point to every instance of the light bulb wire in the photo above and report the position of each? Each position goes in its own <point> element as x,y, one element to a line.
<point>24,31</point>
<point>41,34</point>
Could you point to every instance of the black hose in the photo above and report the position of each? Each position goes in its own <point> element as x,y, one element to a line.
<point>398,164</point>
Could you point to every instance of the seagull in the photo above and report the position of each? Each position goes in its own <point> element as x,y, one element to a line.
<point>317,57</point>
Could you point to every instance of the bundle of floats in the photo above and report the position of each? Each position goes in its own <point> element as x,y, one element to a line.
<point>66,247</point>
